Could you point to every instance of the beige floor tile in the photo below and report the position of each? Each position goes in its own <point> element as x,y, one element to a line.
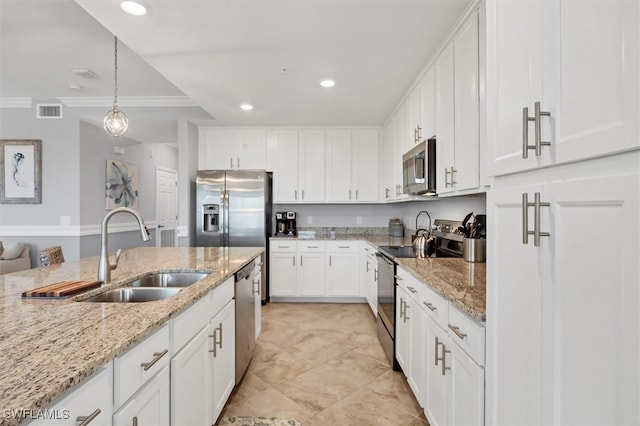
<point>393,387</point>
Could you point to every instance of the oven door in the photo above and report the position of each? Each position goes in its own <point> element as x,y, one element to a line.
<point>386,292</point>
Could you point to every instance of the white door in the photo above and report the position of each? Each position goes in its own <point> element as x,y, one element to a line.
<point>311,163</point>
<point>402,327</point>
<point>217,149</point>
<point>365,165</point>
<point>311,274</point>
<point>149,406</point>
<point>343,275</point>
<point>224,357</point>
<point>417,359</point>
<point>285,167</point>
<point>166,207</point>
<point>282,274</point>
<point>250,149</point>
<point>467,388</point>
<point>436,406</point>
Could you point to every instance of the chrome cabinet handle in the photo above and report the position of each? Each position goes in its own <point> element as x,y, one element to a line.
<point>312,246</point>
<point>329,260</point>
<point>356,195</point>
<point>453,182</point>
<point>398,278</point>
<point>412,290</point>
<point>238,164</point>
<point>419,133</point>
<point>367,267</point>
<point>406,305</point>
<point>430,306</point>
<point>386,192</point>
<point>134,421</point>
<point>537,233</point>
<point>375,275</point>
<point>256,286</point>
<point>296,194</point>
<point>157,355</point>
<point>303,194</point>
<point>294,259</point>
<point>402,305</point>
<point>85,420</point>
<point>446,181</point>
<point>437,358</point>
<point>300,260</point>
<point>537,146</point>
<point>349,194</point>
<point>457,331</point>
<point>444,359</point>
<point>215,340</point>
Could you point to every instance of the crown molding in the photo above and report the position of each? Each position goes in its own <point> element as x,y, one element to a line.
<point>128,101</point>
<point>16,102</point>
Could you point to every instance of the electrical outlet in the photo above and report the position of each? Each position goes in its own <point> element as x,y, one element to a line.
<point>309,220</point>
<point>358,220</point>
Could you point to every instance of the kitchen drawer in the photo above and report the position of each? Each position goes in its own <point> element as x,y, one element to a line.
<point>129,373</point>
<point>467,333</point>
<point>313,246</point>
<point>284,246</point>
<point>221,295</point>
<point>188,323</point>
<point>437,305</point>
<point>342,246</point>
<point>407,281</point>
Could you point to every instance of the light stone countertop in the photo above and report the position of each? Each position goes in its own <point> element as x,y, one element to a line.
<point>48,346</point>
<point>460,282</point>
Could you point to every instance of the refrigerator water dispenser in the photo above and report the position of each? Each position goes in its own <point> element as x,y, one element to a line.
<point>211,219</point>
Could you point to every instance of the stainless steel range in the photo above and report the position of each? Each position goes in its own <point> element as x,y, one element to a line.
<point>446,241</point>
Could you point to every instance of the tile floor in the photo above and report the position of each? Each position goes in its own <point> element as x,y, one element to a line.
<point>322,364</point>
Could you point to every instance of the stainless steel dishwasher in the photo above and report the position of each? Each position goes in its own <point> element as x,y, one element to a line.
<point>245,319</point>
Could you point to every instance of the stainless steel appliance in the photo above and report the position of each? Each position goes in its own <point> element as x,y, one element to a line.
<point>245,319</point>
<point>233,209</point>
<point>286,224</point>
<point>419,169</point>
<point>447,242</point>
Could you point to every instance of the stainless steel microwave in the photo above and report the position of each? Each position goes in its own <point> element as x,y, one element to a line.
<point>419,169</point>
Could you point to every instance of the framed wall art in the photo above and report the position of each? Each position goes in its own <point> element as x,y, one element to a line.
<point>20,171</point>
<point>121,185</point>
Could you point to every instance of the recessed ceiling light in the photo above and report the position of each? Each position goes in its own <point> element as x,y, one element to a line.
<point>76,87</point>
<point>327,83</point>
<point>246,107</point>
<point>84,72</point>
<point>133,8</point>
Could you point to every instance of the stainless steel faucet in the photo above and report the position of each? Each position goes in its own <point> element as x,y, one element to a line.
<point>104,267</point>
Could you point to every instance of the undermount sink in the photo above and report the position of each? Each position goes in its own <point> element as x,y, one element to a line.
<point>168,279</point>
<point>134,294</point>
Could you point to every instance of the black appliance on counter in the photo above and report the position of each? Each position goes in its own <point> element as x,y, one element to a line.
<point>447,242</point>
<point>286,224</point>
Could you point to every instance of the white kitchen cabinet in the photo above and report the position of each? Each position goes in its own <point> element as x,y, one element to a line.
<point>445,111</point>
<point>149,406</point>
<point>311,269</point>
<point>257,292</point>
<point>437,386</point>
<point>402,334</point>
<point>369,275</point>
<point>550,358</point>
<point>192,382</point>
<point>222,328</point>
<point>414,102</point>
<point>231,149</point>
<point>428,99</point>
<point>311,166</point>
<point>282,160</point>
<point>342,278</point>
<point>93,400</point>
<point>544,52</point>
<point>352,165</point>
<point>282,268</point>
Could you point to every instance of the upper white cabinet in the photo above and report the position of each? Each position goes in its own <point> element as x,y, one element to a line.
<point>457,112</point>
<point>576,60</point>
<point>311,186</point>
<point>231,149</point>
<point>428,99</point>
<point>282,159</point>
<point>352,165</point>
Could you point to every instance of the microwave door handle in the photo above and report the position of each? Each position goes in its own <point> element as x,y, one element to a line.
<point>416,172</point>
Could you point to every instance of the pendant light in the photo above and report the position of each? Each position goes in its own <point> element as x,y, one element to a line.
<point>116,122</point>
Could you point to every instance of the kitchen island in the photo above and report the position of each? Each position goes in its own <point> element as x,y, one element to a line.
<point>49,346</point>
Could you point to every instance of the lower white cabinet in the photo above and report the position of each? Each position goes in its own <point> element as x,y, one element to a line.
<point>369,276</point>
<point>91,401</point>
<point>342,272</point>
<point>282,268</point>
<point>149,406</point>
<point>203,370</point>
<point>311,268</point>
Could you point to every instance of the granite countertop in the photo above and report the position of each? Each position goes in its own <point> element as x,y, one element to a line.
<point>48,346</point>
<point>460,282</point>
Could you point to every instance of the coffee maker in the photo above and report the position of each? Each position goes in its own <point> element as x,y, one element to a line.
<point>286,224</point>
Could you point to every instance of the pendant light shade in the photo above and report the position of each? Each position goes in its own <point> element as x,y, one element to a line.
<point>115,122</point>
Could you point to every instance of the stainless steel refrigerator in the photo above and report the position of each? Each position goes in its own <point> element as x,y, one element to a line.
<point>233,209</point>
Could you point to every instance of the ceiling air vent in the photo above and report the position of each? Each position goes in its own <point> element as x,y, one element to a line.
<point>49,111</point>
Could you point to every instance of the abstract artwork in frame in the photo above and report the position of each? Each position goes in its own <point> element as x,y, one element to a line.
<point>20,171</point>
<point>121,185</point>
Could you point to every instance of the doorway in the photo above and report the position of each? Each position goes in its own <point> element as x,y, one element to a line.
<point>166,207</point>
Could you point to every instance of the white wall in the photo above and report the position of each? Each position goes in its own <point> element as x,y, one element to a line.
<point>188,162</point>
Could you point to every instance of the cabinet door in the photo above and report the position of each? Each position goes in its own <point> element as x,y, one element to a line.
<point>93,397</point>
<point>250,149</point>
<point>428,86</point>
<point>282,273</point>
<point>467,142</point>
<point>192,382</point>
<point>514,79</point>
<point>224,357</point>
<point>445,95</point>
<point>149,406</point>
<point>285,165</point>
<point>364,165</point>
<point>311,274</point>
<point>415,115</point>
<point>591,299</point>
<point>257,291</point>
<point>311,163</point>
<point>417,359</point>
<point>402,337</point>
<point>437,385</point>
<point>339,164</point>
<point>343,275</point>
<point>217,149</point>
<point>593,104</point>
<point>514,313</point>
<point>467,388</point>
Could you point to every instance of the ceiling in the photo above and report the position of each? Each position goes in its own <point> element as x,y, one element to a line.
<point>200,59</point>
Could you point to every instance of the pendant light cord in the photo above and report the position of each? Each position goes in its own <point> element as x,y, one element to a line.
<point>115,79</point>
